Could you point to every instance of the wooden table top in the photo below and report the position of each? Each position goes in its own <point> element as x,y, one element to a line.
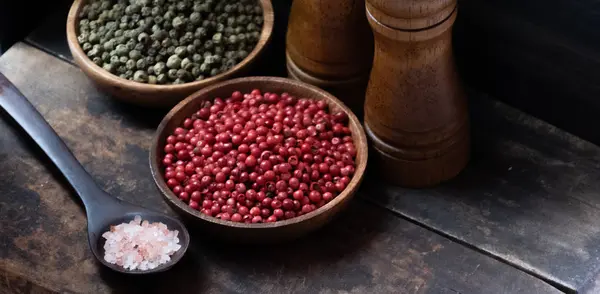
<point>522,218</point>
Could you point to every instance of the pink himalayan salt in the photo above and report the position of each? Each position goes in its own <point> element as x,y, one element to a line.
<point>140,245</point>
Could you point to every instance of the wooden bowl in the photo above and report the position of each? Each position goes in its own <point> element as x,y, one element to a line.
<point>157,95</point>
<point>263,232</point>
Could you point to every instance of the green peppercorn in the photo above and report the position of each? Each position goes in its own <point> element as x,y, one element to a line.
<point>230,63</point>
<point>183,74</point>
<point>241,54</point>
<point>174,62</point>
<point>182,5</point>
<point>132,9</point>
<point>190,27</point>
<point>152,80</point>
<point>206,54</point>
<point>152,52</point>
<point>162,79</point>
<point>233,39</point>
<point>158,2</point>
<point>186,39</point>
<point>97,60</point>
<point>146,11</point>
<point>178,81</point>
<point>169,16</point>
<point>217,38</point>
<point>130,45</point>
<point>178,22</point>
<point>83,38</point>
<point>195,71</point>
<point>105,56</point>
<point>140,76</point>
<point>162,52</point>
<point>181,51</point>
<point>197,58</point>
<point>205,68</point>
<point>93,53</point>
<point>141,64</point>
<point>241,38</point>
<point>197,43</point>
<point>143,38</point>
<point>150,70</point>
<point>108,67</point>
<point>251,27</point>
<point>150,60</point>
<point>170,50</point>
<point>156,10</point>
<point>220,27</point>
<point>201,32</point>
<point>130,64</point>
<point>210,59</point>
<point>195,18</point>
<point>139,47</point>
<point>86,47</point>
<point>258,20</point>
<point>185,62</point>
<point>208,45</point>
<point>172,74</point>
<point>214,72</point>
<point>123,59</point>
<point>135,54</point>
<point>159,67</point>
<point>114,60</point>
<point>200,78</point>
<point>173,34</point>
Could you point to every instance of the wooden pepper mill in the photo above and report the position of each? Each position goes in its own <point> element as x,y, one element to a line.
<point>330,45</point>
<point>415,108</point>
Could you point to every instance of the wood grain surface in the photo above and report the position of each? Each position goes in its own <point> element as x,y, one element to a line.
<point>529,197</point>
<point>42,230</point>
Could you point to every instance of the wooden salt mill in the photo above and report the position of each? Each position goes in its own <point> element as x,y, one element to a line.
<point>415,108</point>
<point>330,45</point>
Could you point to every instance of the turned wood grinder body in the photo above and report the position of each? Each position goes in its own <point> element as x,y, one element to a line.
<point>330,45</point>
<point>415,108</point>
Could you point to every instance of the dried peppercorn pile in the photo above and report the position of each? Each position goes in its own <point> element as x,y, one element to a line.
<point>260,157</point>
<point>169,41</point>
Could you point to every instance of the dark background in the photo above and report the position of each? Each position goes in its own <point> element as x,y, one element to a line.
<point>542,57</point>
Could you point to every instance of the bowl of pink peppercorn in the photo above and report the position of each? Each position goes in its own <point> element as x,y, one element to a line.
<point>259,159</point>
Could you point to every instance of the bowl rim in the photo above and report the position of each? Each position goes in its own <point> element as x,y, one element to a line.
<point>84,61</point>
<point>361,164</point>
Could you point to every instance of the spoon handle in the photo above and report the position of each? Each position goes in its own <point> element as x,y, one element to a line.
<point>25,114</point>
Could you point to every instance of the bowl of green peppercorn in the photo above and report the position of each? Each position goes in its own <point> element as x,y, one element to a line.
<point>157,52</point>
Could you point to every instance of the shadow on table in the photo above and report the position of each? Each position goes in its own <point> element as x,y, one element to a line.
<point>216,266</point>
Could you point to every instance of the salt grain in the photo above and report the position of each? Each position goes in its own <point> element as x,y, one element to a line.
<point>140,245</point>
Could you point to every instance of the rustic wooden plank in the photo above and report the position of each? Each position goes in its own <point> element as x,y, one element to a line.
<point>543,59</point>
<point>529,196</point>
<point>42,230</point>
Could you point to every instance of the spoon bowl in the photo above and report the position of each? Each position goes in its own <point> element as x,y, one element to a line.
<point>124,212</point>
<point>102,209</point>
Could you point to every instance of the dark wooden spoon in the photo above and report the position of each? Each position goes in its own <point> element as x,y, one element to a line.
<point>102,209</point>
